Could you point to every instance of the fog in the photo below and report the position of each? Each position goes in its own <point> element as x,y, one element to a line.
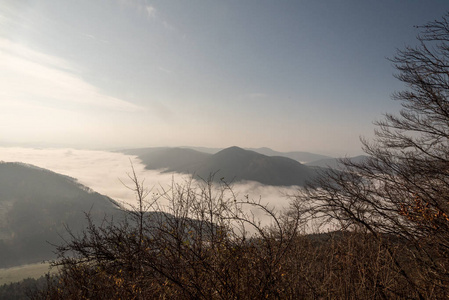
<point>107,172</point>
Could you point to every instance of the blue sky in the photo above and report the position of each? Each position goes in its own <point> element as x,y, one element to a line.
<point>289,75</point>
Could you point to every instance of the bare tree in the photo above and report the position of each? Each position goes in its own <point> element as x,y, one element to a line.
<point>401,193</point>
<point>204,246</point>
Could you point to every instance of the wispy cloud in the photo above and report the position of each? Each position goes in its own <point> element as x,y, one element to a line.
<point>31,75</point>
<point>167,71</point>
<point>140,7</point>
<point>151,11</point>
<point>94,38</point>
<point>17,51</point>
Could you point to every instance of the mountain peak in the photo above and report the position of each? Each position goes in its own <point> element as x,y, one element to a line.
<point>233,148</point>
<point>235,152</point>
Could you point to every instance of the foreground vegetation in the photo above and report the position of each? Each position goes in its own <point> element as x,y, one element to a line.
<point>208,248</point>
<point>24,289</point>
<point>392,211</point>
<point>35,207</point>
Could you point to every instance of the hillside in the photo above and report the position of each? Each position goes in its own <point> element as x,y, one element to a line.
<point>36,205</point>
<point>231,164</point>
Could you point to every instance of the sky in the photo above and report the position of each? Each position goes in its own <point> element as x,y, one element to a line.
<point>289,75</point>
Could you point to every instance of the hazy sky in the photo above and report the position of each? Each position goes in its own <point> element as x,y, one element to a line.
<point>289,75</point>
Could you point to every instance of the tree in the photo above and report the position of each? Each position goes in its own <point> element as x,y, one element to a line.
<point>200,248</point>
<point>400,195</point>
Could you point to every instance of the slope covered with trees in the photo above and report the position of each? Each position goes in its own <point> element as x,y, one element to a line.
<point>36,205</point>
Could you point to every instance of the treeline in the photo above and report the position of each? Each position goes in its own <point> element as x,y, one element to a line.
<point>24,289</point>
<point>392,212</point>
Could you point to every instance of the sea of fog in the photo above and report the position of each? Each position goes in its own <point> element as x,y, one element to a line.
<point>107,172</point>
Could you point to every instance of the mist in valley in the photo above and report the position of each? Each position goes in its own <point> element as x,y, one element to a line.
<point>107,173</point>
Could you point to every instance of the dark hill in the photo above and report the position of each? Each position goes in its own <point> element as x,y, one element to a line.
<point>237,164</point>
<point>36,205</point>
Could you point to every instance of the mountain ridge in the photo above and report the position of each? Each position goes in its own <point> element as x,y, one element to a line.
<point>334,163</point>
<point>230,164</point>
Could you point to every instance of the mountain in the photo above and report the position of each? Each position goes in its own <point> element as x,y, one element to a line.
<point>36,205</point>
<point>235,164</point>
<point>231,164</point>
<point>334,163</point>
<point>204,149</point>
<point>302,157</point>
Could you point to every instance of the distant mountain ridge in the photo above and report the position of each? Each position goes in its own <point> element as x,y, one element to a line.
<point>300,156</point>
<point>334,163</point>
<point>230,164</point>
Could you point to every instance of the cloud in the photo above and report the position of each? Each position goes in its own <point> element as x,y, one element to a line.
<point>166,71</point>
<point>151,11</point>
<point>141,7</point>
<point>29,75</point>
<point>89,36</point>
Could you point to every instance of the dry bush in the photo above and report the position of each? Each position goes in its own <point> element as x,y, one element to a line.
<point>202,250</point>
<point>199,248</point>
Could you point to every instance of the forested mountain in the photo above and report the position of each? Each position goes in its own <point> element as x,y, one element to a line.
<point>36,205</point>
